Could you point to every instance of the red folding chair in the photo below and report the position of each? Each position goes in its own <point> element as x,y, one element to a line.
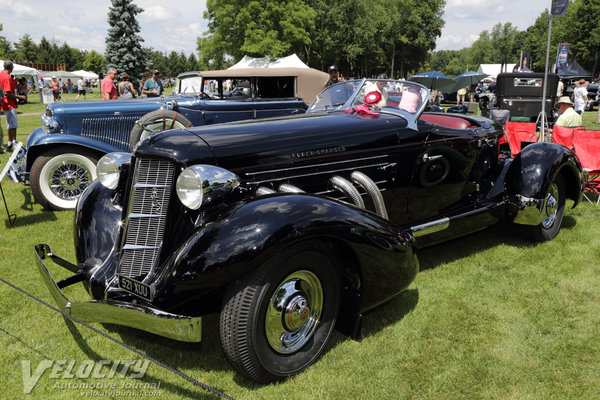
<point>586,145</point>
<point>564,135</point>
<point>518,133</point>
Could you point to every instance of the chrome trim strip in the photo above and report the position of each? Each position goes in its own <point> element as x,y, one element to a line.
<point>318,165</point>
<point>430,227</point>
<point>334,171</point>
<point>146,318</point>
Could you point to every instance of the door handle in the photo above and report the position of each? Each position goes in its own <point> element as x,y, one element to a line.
<point>427,157</point>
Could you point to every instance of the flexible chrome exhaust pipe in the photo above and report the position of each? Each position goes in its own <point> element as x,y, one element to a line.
<point>287,188</point>
<point>346,187</point>
<point>263,191</point>
<point>370,187</point>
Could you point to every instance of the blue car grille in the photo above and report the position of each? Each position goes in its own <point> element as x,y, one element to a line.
<point>145,222</point>
<point>112,130</point>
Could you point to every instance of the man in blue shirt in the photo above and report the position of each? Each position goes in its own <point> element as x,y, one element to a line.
<point>153,87</point>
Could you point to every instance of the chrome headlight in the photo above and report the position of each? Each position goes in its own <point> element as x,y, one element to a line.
<point>50,125</point>
<point>200,184</point>
<point>109,168</point>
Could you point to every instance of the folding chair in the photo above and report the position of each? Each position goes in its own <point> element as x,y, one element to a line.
<point>519,133</point>
<point>587,149</point>
<point>564,135</point>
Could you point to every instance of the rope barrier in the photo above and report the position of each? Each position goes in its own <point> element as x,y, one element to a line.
<point>117,341</point>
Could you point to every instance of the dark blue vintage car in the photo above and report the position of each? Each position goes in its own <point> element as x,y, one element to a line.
<point>291,226</point>
<point>62,154</point>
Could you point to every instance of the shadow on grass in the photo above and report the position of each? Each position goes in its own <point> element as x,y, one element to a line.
<point>162,349</point>
<point>32,219</point>
<point>465,246</point>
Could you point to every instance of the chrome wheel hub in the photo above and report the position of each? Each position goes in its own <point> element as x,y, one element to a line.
<point>68,180</point>
<point>551,207</point>
<point>293,312</point>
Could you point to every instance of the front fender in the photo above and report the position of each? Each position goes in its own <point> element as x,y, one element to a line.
<point>532,171</point>
<point>44,142</point>
<point>251,233</point>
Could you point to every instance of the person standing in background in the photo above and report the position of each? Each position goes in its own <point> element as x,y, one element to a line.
<point>8,104</point>
<point>145,77</point>
<point>153,87</point>
<point>108,88</point>
<point>80,88</point>
<point>580,96</point>
<point>126,90</point>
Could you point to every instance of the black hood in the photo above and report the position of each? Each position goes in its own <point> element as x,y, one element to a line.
<point>247,144</point>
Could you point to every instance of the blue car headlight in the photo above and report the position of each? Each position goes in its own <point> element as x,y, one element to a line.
<point>50,125</point>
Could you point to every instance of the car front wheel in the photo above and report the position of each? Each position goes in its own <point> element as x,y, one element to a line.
<point>154,122</point>
<point>276,321</point>
<point>553,212</point>
<point>59,177</point>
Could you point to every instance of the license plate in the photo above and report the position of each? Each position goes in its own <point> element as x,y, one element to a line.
<point>134,287</point>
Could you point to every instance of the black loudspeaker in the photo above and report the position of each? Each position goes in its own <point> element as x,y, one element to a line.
<point>100,75</point>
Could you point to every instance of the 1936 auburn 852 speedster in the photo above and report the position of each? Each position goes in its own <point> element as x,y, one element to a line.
<point>294,225</point>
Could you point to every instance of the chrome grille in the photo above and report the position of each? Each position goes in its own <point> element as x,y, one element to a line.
<point>145,223</point>
<point>112,130</point>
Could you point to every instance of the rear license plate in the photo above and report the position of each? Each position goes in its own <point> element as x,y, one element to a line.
<point>138,288</point>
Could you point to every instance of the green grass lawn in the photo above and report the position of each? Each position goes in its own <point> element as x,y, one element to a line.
<point>489,316</point>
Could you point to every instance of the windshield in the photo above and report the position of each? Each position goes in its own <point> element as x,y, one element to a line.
<point>406,98</point>
<point>188,84</point>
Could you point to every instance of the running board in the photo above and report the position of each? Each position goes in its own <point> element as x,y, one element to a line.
<point>444,223</point>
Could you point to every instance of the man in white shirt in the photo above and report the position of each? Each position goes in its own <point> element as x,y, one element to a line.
<point>580,95</point>
<point>80,88</point>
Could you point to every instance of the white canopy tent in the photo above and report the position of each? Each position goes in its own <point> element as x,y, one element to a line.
<point>266,62</point>
<point>21,70</point>
<point>494,69</point>
<point>85,74</point>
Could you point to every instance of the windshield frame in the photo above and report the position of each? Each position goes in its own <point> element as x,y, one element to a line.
<point>355,100</point>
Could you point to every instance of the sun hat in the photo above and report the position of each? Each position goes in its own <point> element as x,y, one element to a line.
<point>563,100</point>
<point>582,82</point>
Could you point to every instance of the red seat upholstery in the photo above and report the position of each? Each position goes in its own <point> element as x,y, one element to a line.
<point>448,121</point>
<point>519,132</point>
<point>564,135</point>
<point>586,145</point>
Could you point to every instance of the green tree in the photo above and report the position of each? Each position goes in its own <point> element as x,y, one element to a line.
<point>123,44</point>
<point>45,51</point>
<point>94,62</point>
<point>256,28</point>
<point>6,51</point>
<point>26,50</point>
<point>191,63</point>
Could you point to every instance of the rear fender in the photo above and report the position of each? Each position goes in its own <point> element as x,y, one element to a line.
<point>532,171</point>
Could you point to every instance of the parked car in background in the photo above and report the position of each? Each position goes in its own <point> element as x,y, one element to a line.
<point>291,226</point>
<point>592,90</point>
<point>521,93</point>
<point>61,155</point>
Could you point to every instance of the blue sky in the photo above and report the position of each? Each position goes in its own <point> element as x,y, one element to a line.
<point>175,25</point>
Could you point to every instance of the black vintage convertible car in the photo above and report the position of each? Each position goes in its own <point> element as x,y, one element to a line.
<point>291,226</point>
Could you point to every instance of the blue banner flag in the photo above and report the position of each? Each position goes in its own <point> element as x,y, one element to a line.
<point>559,7</point>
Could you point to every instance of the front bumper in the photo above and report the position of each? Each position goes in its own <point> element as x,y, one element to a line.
<point>178,327</point>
